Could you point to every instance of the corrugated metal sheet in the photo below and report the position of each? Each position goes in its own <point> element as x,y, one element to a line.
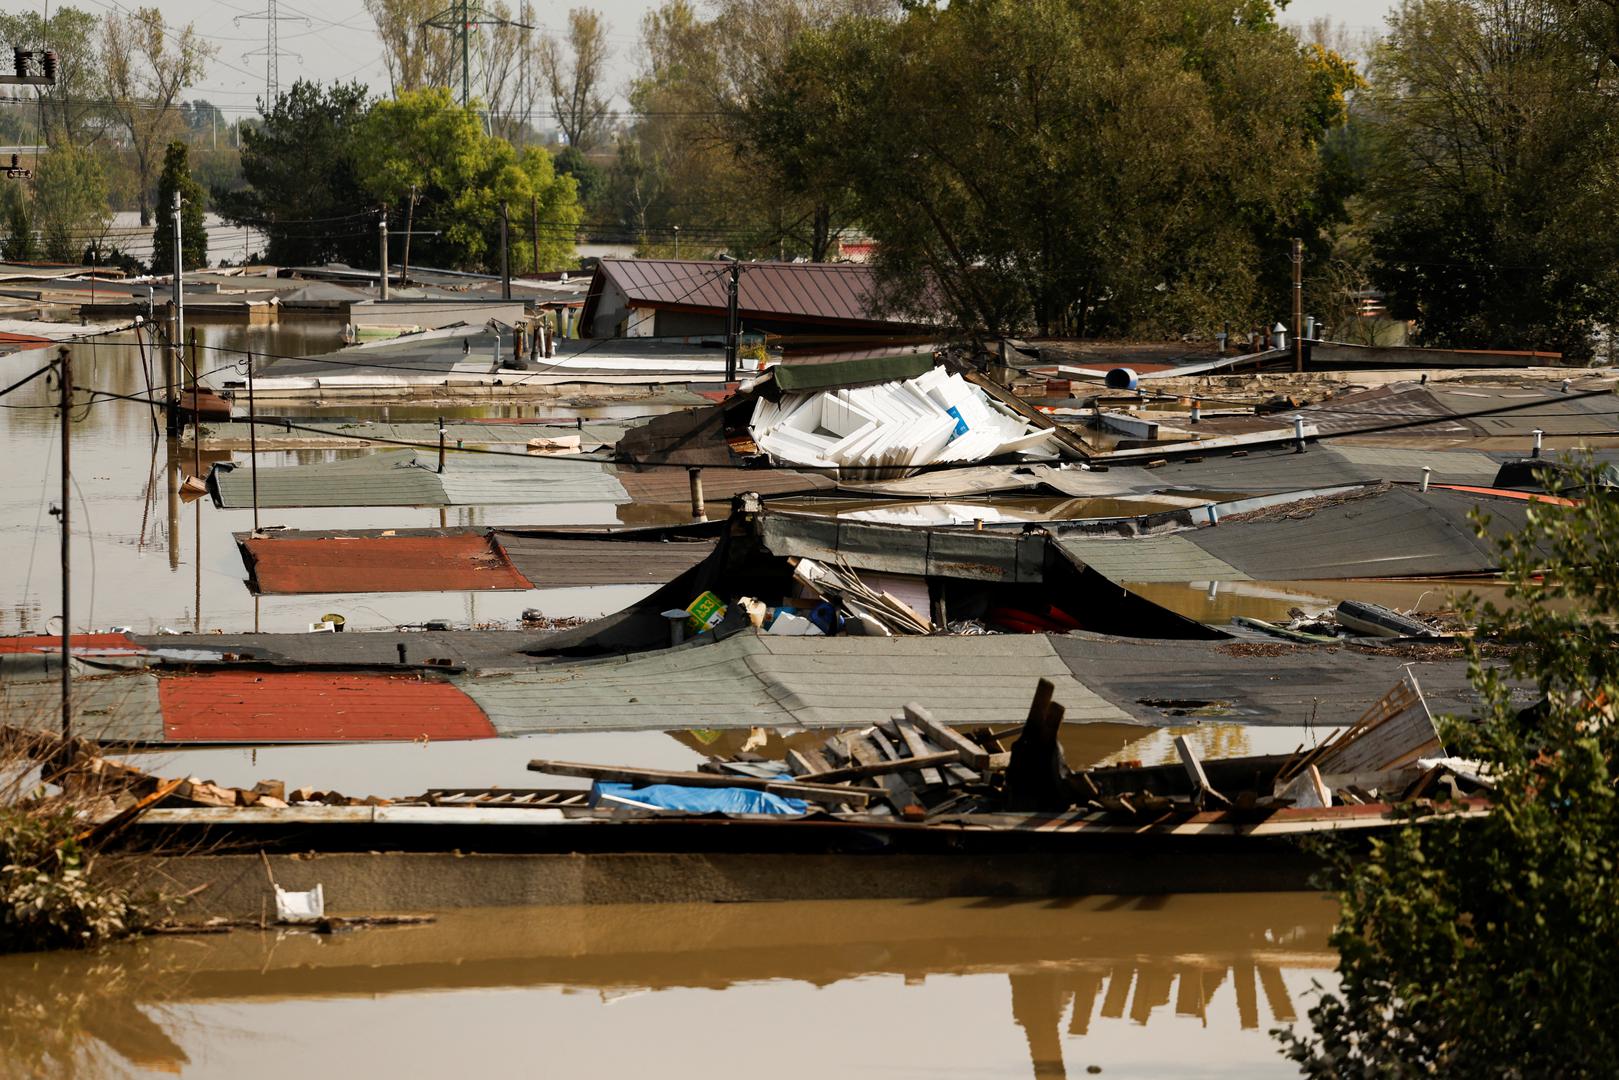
<point>410,478</point>
<point>280,565</point>
<point>311,706</point>
<point>673,485</point>
<point>956,553</point>
<point>114,707</point>
<point>832,293</point>
<point>1175,557</point>
<point>390,478</point>
<point>548,561</point>
<point>53,643</point>
<point>493,479</point>
<point>753,679</point>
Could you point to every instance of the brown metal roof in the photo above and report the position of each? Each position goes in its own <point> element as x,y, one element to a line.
<point>831,293</point>
<point>550,561</point>
<point>355,564</point>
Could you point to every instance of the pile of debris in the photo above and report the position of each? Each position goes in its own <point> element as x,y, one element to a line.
<point>1353,619</point>
<point>889,429</point>
<point>917,768</point>
<point>123,787</point>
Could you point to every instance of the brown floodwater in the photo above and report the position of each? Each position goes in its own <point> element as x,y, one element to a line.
<point>144,560</point>
<point>1180,985</point>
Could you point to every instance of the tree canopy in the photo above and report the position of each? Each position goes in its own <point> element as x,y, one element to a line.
<point>423,146</point>
<point>302,189</point>
<point>176,179</point>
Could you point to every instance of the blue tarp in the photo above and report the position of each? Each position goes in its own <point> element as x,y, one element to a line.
<point>700,800</point>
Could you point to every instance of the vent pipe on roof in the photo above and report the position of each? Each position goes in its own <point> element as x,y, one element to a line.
<point>1279,335</point>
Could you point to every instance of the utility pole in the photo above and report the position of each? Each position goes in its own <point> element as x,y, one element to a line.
<point>179,309</point>
<point>1298,304</point>
<point>382,255</point>
<point>272,49</point>
<point>66,373</point>
<point>410,227</point>
<point>253,441</point>
<point>730,319</point>
<point>534,228</point>
<point>505,255</point>
<point>677,241</point>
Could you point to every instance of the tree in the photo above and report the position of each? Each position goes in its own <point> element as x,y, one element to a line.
<point>302,188</point>
<point>1060,166</point>
<point>70,202</point>
<point>72,109</point>
<point>177,179</point>
<point>1495,207</point>
<point>147,66</point>
<point>20,244</point>
<point>416,55</point>
<point>1484,947</point>
<point>574,81</point>
<point>424,145</point>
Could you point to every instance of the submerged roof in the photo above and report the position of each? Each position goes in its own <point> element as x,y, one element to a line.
<point>831,293</point>
<point>460,560</point>
<point>1393,533</point>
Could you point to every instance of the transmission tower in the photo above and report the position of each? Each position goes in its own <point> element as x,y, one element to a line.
<point>272,49</point>
<point>460,18</point>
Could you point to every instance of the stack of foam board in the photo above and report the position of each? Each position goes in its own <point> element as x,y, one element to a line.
<point>889,429</point>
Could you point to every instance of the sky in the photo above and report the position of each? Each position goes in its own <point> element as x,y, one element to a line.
<point>335,39</point>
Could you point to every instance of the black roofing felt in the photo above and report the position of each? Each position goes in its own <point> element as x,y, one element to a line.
<point>1400,533</point>
<point>1328,686</point>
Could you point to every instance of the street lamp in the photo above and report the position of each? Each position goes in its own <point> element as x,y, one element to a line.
<point>677,241</point>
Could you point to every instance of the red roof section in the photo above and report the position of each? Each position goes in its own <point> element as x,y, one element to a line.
<point>315,706</point>
<point>79,642</point>
<point>286,566</point>
<point>814,292</point>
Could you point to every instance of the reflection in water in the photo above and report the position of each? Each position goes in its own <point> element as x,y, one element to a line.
<point>984,987</point>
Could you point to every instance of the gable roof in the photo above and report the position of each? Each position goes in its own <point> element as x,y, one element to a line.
<point>831,293</point>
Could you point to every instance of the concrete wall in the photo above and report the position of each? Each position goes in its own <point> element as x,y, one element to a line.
<point>360,883</point>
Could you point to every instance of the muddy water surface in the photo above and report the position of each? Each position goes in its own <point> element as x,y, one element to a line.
<point>1133,986</point>
<point>147,560</point>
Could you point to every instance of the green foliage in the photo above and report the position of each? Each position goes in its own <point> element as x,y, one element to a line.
<point>176,178</point>
<point>1496,207</point>
<point>72,109</point>
<point>20,244</point>
<point>70,202</point>
<point>1484,947</point>
<point>423,143</point>
<point>588,178</point>
<point>48,897</point>
<point>1132,168</point>
<point>302,187</point>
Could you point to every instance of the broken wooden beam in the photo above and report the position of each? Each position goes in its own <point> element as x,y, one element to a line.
<point>791,788</point>
<point>1202,791</point>
<point>921,764</point>
<point>972,755</point>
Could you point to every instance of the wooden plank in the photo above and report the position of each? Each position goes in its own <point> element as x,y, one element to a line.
<point>919,748</point>
<point>1202,791</point>
<point>790,788</point>
<point>948,737</point>
<point>882,768</point>
<point>900,795</point>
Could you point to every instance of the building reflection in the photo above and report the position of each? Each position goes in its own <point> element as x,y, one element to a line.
<point>1072,966</point>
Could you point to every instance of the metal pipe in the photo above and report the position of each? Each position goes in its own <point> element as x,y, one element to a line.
<point>66,373</point>
<point>505,255</point>
<point>1538,434</point>
<point>699,510</point>
<point>1427,474</point>
<point>1298,434</point>
<point>382,257</point>
<point>441,434</point>
<point>1197,411</point>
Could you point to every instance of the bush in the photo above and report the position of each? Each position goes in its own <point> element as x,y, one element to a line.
<point>1485,947</point>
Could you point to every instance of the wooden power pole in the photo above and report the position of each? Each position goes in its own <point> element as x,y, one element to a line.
<point>1298,304</point>
<point>66,372</point>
